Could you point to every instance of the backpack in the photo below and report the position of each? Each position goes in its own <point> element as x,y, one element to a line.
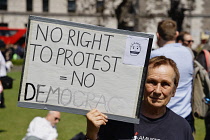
<point>201,88</point>
<point>207,58</point>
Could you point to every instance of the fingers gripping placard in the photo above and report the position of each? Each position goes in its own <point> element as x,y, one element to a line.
<point>75,67</point>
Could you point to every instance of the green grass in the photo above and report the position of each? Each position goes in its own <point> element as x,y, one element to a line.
<point>200,129</point>
<point>14,120</point>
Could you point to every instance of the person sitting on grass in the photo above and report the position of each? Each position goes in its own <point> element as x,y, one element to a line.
<point>43,128</point>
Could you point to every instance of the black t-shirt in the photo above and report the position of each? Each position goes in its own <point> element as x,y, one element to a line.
<point>168,127</point>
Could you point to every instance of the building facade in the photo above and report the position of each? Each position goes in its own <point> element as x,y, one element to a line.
<point>141,16</point>
<point>14,13</point>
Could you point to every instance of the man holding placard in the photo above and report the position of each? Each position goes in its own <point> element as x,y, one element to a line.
<point>156,120</point>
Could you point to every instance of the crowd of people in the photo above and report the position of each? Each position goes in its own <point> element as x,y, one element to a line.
<point>166,109</point>
<point>161,95</point>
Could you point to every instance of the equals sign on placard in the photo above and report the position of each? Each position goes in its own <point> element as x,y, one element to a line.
<point>63,78</point>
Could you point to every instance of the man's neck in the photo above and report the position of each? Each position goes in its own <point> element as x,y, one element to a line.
<point>152,112</point>
<point>163,42</point>
<point>170,42</point>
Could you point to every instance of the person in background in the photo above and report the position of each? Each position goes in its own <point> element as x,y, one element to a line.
<point>202,60</point>
<point>186,40</point>
<point>43,128</point>
<point>166,40</point>
<point>156,120</point>
<point>204,42</point>
<point>18,51</point>
<point>3,73</point>
<point>8,53</point>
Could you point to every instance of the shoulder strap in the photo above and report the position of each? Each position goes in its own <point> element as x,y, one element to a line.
<point>207,56</point>
<point>201,73</point>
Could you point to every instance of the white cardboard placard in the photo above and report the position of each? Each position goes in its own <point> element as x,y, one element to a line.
<point>74,68</point>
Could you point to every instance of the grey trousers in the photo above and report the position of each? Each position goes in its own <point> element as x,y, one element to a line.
<point>31,138</point>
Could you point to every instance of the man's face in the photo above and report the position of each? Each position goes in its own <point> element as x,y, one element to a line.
<point>54,118</point>
<point>188,41</point>
<point>159,87</point>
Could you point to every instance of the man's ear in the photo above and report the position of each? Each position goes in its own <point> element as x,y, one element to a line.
<point>177,33</point>
<point>158,36</point>
<point>174,91</point>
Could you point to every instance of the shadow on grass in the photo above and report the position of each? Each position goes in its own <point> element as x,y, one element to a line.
<point>2,131</point>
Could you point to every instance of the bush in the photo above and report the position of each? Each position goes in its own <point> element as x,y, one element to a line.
<point>18,62</point>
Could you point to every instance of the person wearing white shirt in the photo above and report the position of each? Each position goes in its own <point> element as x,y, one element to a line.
<point>3,72</point>
<point>43,128</point>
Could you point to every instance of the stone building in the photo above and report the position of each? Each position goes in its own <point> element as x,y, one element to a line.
<point>141,16</point>
<point>14,13</point>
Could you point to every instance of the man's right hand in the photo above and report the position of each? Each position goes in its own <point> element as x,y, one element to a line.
<point>94,120</point>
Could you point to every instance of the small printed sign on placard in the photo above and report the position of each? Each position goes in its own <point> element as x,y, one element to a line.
<point>136,50</point>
